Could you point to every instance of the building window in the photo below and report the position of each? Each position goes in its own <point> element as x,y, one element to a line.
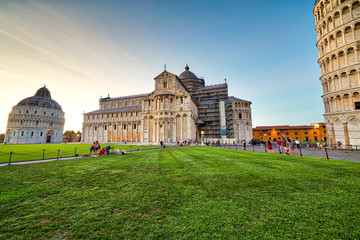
<point>134,126</point>
<point>124,126</point>
<point>165,84</point>
<point>27,111</point>
<point>324,131</point>
<point>181,100</point>
<point>35,111</point>
<point>357,105</point>
<point>52,114</point>
<point>314,133</point>
<point>240,116</point>
<point>51,124</point>
<point>32,134</point>
<point>14,133</point>
<point>105,127</point>
<point>95,128</point>
<point>41,134</point>
<point>22,133</point>
<point>296,133</point>
<point>269,133</point>
<point>161,99</point>
<point>45,113</point>
<point>278,133</point>
<point>114,127</point>
<point>149,103</point>
<point>306,133</point>
<point>260,134</point>
<point>37,123</point>
<point>287,133</point>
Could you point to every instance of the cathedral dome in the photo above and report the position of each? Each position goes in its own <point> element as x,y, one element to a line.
<point>42,98</point>
<point>187,74</point>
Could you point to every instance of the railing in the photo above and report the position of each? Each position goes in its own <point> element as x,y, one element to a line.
<point>301,150</point>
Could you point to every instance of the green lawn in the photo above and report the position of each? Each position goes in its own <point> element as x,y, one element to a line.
<point>22,152</point>
<point>182,193</point>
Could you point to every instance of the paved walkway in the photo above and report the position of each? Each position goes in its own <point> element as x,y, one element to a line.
<point>344,155</point>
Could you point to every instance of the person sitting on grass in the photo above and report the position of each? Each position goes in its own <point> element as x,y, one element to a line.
<point>123,152</point>
<point>102,152</point>
<point>92,150</point>
<point>117,151</point>
<point>108,148</point>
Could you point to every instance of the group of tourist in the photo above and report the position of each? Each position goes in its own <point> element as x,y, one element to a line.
<point>287,146</point>
<point>95,147</point>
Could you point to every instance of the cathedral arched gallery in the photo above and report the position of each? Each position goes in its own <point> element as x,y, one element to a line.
<point>180,108</point>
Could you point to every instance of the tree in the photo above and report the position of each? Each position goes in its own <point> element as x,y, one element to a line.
<point>2,137</point>
<point>71,136</point>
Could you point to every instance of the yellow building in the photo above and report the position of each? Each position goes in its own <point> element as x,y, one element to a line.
<point>313,132</point>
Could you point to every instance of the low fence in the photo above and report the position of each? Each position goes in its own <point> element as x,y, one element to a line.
<point>14,156</point>
<point>301,150</point>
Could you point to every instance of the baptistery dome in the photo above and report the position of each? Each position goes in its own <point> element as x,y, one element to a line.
<point>36,119</point>
<point>42,98</point>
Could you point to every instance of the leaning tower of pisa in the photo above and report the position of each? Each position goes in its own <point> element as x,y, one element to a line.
<point>338,35</point>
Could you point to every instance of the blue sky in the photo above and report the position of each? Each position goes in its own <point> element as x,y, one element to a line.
<point>86,49</point>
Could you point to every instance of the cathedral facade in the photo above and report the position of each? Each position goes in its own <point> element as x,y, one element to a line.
<point>180,108</point>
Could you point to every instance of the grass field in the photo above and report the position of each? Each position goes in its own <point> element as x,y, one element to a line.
<point>22,152</point>
<point>182,193</point>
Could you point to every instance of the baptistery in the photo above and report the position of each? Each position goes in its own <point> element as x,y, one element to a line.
<point>338,33</point>
<point>36,119</point>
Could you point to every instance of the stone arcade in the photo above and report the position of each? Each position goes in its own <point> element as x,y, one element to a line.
<point>180,108</point>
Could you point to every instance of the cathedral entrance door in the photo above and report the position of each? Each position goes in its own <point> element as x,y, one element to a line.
<point>48,139</point>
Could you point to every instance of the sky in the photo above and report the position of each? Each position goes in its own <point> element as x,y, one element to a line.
<point>84,50</point>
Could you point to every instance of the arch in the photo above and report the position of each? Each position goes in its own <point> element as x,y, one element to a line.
<point>355,8</point>
<point>353,78</point>
<point>357,30</point>
<point>339,40</point>
<point>346,14</point>
<point>337,19</point>
<point>348,34</point>
<point>351,55</point>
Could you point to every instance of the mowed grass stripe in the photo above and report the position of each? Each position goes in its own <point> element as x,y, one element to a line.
<point>196,192</point>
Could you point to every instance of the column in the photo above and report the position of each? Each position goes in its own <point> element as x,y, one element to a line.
<point>142,131</point>
<point>181,128</point>
<point>346,134</point>
<point>343,104</point>
<point>352,102</point>
<point>343,37</point>
<point>174,130</point>
<point>353,33</point>
<point>154,131</point>
<point>349,80</point>
<point>341,18</point>
<point>346,58</point>
<point>333,138</point>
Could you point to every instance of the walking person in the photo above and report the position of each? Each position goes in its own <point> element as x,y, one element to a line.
<point>279,145</point>
<point>285,145</point>
<point>270,148</point>
<point>292,147</point>
<point>244,144</point>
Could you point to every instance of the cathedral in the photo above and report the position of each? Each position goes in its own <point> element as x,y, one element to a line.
<point>180,108</point>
